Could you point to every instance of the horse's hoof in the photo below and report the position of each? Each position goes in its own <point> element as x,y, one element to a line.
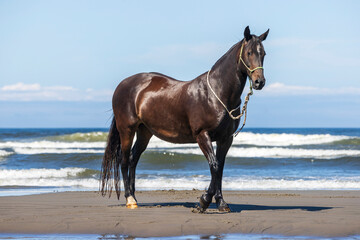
<point>222,205</point>
<point>131,206</point>
<point>224,209</point>
<point>203,203</point>
<point>131,203</point>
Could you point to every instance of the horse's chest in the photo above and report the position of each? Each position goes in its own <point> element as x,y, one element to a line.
<point>225,128</point>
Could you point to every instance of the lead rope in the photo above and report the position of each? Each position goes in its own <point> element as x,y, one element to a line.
<point>244,108</point>
<point>247,98</point>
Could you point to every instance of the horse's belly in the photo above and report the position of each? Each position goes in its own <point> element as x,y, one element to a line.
<point>168,126</point>
<point>175,139</point>
<point>170,131</point>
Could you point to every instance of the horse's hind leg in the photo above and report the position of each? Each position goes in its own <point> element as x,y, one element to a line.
<point>126,137</point>
<point>143,136</point>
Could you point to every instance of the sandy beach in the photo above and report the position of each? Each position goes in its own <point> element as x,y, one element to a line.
<point>172,213</point>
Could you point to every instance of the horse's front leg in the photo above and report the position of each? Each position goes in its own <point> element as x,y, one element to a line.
<point>204,141</point>
<point>222,147</point>
<point>216,164</point>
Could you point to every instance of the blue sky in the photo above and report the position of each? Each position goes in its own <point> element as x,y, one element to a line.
<point>61,60</point>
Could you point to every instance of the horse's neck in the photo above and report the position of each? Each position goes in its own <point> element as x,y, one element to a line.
<point>228,84</point>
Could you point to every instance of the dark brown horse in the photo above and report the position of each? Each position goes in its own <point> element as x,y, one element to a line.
<point>196,111</point>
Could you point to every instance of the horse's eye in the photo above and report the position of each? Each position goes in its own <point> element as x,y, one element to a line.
<point>249,53</point>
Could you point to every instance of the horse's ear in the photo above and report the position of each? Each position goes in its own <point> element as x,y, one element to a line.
<point>264,35</point>
<point>247,34</point>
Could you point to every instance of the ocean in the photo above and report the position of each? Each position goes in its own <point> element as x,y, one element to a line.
<point>36,161</point>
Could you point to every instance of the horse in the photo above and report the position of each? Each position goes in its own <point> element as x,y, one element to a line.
<point>195,111</point>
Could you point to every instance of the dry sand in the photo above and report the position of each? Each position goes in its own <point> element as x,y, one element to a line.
<point>170,213</point>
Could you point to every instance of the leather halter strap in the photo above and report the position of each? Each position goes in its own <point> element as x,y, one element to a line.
<point>240,59</point>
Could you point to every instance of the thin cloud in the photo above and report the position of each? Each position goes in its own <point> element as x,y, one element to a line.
<point>21,87</point>
<point>21,92</point>
<point>278,88</point>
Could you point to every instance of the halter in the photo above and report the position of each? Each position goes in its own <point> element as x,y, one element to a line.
<point>240,59</point>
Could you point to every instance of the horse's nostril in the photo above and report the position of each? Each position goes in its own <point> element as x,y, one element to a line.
<point>257,81</point>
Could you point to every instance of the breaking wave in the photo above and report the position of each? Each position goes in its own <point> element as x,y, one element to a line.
<point>244,138</point>
<point>50,144</point>
<point>42,147</point>
<point>80,137</point>
<point>4,153</point>
<point>88,179</point>
<point>285,139</point>
<point>276,152</point>
<point>247,144</point>
<point>64,177</point>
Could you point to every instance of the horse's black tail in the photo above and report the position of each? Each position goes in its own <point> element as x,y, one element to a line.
<point>111,162</point>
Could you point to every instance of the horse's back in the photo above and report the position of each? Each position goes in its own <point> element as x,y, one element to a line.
<point>129,89</point>
<point>154,99</point>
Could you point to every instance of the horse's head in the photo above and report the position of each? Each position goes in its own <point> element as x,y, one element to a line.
<point>251,58</point>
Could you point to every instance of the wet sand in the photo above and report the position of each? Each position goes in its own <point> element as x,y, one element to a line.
<point>172,213</point>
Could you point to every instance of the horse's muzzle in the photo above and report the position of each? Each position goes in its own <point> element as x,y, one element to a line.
<point>258,84</point>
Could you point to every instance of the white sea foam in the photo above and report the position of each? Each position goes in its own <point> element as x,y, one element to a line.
<point>275,143</point>
<point>244,138</point>
<point>51,144</point>
<point>43,147</point>
<point>39,173</point>
<point>87,140</point>
<point>285,139</point>
<point>4,153</point>
<point>276,152</point>
<point>52,182</point>
<point>48,147</point>
<point>55,150</point>
<point>66,177</point>
<point>300,184</point>
<point>262,139</point>
<point>249,184</point>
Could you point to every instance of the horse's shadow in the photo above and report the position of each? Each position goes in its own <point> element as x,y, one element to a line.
<point>235,208</point>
